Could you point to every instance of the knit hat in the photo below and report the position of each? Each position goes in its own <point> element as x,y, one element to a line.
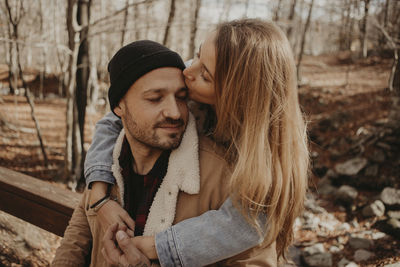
<point>135,60</point>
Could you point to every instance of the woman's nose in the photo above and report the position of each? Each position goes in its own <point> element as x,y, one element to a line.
<point>188,73</point>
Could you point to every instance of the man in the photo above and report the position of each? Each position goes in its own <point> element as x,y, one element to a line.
<point>164,173</point>
<point>158,149</point>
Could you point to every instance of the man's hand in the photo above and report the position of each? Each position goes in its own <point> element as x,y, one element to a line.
<point>111,212</point>
<point>127,254</point>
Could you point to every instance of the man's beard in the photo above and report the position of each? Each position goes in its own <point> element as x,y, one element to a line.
<point>148,136</point>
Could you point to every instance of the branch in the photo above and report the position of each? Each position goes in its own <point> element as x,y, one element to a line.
<point>115,13</point>
<point>385,33</point>
<point>36,44</point>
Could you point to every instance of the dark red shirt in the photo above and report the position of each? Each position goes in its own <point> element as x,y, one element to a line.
<point>140,189</point>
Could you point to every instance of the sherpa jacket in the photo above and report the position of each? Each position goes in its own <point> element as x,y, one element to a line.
<point>196,181</point>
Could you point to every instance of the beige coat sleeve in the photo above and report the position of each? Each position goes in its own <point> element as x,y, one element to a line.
<point>76,244</point>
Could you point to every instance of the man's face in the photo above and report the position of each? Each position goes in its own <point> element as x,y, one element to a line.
<point>154,111</point>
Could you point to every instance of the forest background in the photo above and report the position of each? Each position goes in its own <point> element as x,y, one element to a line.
<point>54,82</point>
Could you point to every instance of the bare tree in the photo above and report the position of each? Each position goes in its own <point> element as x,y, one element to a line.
<point>363,29</point>
<point>169,22</point>
<point>277,10</point>
<point>125,22</point>
<point>303,39</point>
<point>137,19</point>
<point>73,153</point>
<point>193,28</point>
<point>14,20</point>
<point>344,29</point>
<point>291,19</point>
<point>246,9</point>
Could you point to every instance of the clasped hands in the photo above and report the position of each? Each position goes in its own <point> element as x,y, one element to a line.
<point>119,249</point>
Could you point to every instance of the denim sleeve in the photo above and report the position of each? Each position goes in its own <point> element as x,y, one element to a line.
<point>209,238</point>
<point>98,159</point>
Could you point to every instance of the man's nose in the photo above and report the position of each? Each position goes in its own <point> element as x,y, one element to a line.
<point>171,110</point>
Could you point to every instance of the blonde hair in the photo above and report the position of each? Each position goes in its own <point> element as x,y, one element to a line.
<point>259,118</point>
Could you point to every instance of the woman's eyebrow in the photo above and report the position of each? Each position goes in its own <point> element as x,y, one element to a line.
<point>204,66</point>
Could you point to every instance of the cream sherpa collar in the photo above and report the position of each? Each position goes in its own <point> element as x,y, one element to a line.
<point>183,174</point>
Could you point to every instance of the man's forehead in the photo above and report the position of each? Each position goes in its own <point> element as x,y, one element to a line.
<point>160,80</point>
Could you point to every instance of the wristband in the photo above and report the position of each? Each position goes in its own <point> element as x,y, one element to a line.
<point>101,203</point>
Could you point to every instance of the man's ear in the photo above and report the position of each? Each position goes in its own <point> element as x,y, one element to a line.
<point>118,110</point>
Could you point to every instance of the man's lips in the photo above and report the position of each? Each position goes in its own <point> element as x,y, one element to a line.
<point>171,127</point>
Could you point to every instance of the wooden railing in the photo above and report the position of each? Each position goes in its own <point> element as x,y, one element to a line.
<point>35,201</point>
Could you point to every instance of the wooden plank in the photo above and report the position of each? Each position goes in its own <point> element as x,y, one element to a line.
<point>36,201</point>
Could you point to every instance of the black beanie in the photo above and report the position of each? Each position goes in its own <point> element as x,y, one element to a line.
<point>135,60</point>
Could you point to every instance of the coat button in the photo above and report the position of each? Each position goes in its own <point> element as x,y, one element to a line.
<point>162,220</point>
<point>169,193</point>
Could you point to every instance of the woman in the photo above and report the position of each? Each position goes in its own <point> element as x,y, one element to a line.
<point>245,72</point>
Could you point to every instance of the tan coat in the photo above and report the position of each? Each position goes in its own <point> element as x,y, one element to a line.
<point>196,181</point>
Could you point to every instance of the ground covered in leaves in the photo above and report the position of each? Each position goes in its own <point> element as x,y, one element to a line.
<point>347,104</point>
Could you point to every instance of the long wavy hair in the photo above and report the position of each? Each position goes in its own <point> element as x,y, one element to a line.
<point>260,120</point>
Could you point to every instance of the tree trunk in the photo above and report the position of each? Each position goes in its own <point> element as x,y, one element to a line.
<point>15,22</point>
<point>137,16</point>
<point>303,39</point>
<point>290,20</point>
<point>193,29</point>
<point>363,29</point>
<point>246,10</point>
<point>344,29</point>
<point>83,65</point>
<point>125,22</point>
<point>169,22</point>
<point>277,10</point>
<point>382,38</point>
<point>73,142</point>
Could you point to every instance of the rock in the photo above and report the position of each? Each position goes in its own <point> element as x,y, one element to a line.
<point>351,264</point>
<point>331,174</point>
<point>384,146</point>
<point>394,227</point>
<point>310,221</point>
<point>375,209</point>
<point>346,194</point>
<point>362,255</point>
<point>372,170</point>
<point>344,227</point>
<point>355,223</point>
<point>326,189</point>
<point>397,264</point>
<point>358,242</point>
<point>341,239</point>
<point>294,254</point>
<point>378,156</point>
<point>351,167</point>
<point>343,262</point>
<point>390,227</point>
<point>378,235</point>
<point>395,214</point>
<point>311,205</point>
<point>390,196</point>
<point>318,260</point>
<point>315,249</point>
<point>334,249</point>
<point>346,263</point>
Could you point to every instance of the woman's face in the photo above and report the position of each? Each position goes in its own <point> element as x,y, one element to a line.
<point>199,77</point>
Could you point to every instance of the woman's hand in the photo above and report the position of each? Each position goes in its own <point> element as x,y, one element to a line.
<point>147,245</point>
<point>111,212</point>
